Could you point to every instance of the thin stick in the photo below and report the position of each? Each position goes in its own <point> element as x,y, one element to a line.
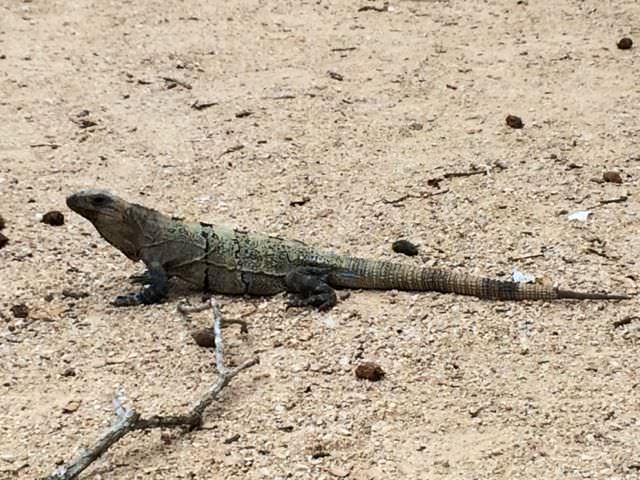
<point>608,201</point>
<point>476,171</point>
<point>217,334</point>
<point>176,81</point>
<point>411,195</point>
<point>526,257</point>
<point>119,429</point>
<point>185,309</point>
<point>128,420</point>
<point>625,321</point>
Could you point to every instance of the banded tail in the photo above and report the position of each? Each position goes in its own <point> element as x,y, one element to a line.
<point>385,275</point>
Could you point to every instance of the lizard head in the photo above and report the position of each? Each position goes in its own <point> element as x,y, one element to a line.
<point>112,216</point>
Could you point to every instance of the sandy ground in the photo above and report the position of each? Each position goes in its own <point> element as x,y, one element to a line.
<point>322,117</point>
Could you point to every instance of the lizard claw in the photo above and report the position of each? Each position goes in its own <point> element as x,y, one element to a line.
<point>322,301</point>
<point>294,301</point>
<point>129,300</point>
<point>126,300</point>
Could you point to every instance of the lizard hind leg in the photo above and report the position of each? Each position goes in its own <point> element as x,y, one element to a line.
<point>310,286</point>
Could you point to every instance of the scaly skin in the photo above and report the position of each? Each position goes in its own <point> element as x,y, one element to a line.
<point>221,259</point>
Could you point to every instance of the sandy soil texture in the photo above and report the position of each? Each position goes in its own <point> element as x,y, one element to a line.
<point>344,127</point>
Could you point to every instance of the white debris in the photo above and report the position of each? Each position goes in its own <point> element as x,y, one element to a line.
<point>580,215</point>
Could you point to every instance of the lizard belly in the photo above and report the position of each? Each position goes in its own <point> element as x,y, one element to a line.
<point>263,284</point>
<point>223,280</point>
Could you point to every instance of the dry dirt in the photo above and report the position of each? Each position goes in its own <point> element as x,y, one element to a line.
<point>321,115</point>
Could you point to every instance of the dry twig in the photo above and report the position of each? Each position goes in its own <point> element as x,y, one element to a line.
<point>235,148</point>
<point>608,201</point>
<point>476,170</point>
<point>625,321</point>
<point>526,257</point>
<point>172,82</point>
<point>128,420</point>
<point>185,309</point>
<point>411,195</point>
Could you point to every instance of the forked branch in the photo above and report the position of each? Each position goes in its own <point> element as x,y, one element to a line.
<point>128,420</point>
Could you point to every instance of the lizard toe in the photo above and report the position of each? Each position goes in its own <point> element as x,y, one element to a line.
<point>322,301</point>
<point>128,300</point>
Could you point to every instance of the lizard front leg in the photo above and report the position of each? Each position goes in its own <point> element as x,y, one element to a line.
<point>312,288</point>
<point>143,278</point>
<point>154,290</point>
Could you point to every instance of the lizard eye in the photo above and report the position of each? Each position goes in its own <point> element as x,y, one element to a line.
<point>99,200</point>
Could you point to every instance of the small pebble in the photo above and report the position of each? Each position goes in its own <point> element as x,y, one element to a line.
<point>71,406</point>
<point>612,177</point>
<point>318,451</point>
<point>339,472</point>
<point>20,310</point>
<point>299,201</point>
<point>370,371</point>
<point>625,43</point>
<point>435,182</point>
<point>232,439</point>
<point>405,247</point>
<point>514,122</point>
<point>204,338</point>
<point>53,218</point>
<point>75,294</point>
<point>343,294</point>
<point>335,75</point>
<point>82,119</point>
<point>68,372</point>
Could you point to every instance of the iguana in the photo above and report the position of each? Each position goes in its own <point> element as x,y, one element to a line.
<point>222,259</point>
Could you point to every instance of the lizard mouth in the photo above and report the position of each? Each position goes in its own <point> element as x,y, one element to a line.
<point>76,203</point>
<point>92,205</point>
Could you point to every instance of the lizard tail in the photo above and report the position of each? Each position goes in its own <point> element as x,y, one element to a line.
<point>590,296</point>
<point>384,275</point>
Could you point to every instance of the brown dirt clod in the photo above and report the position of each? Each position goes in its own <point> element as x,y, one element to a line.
<point>625,43</point>
<point>20,310</point>
<point>405,247</point>
<point>370,371</point>
<point>204,338</point>
<point>612,177</point>
<point>514,121</point>
<point>53,218</point>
